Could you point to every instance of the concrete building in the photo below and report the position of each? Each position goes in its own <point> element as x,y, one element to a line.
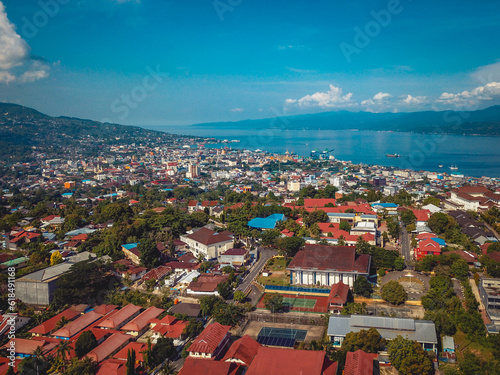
<point>327,265</point>
<point>37,288</point>
<point>489,290</point>
<point>422,331</point>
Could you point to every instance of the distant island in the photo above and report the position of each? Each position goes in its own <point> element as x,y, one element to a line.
<point>485,122</point>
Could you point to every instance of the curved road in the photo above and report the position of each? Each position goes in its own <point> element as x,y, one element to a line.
<point>264,255</point>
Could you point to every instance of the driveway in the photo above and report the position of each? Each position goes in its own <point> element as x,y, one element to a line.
<point>264,255</point>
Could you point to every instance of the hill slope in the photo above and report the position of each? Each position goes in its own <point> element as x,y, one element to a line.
<point>23,130</point>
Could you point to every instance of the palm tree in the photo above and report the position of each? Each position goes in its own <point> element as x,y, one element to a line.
<point>63,350</point>
<point>62,322</point>
<point>168,369</point>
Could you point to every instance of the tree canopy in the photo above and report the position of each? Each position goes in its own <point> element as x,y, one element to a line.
<point>394,293</point>
<point>409,358</point>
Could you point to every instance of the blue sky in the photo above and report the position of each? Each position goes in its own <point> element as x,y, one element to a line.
<point>161,62</point>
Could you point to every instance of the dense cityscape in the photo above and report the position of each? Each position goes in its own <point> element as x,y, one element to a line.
<point>187,255</point>
<point>232,187</point>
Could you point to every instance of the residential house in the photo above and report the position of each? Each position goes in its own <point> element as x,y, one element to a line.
<point>208,243</point>
<point>140,323</point>
<point>242,351</point>
<point>132,253</point>
<point>359,363</point>
<point>338,297</point>
<point>211,342</point>
<point>234,257</point>
<point>196,366</point>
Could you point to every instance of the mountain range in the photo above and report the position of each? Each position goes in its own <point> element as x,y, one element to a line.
<point>484,122</point>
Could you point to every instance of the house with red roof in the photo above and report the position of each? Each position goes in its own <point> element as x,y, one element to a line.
<point>140,323</point>
<point>193,206</point>
<point>318,203</point>
<point>242,351</point>
<point>25,347</point>
<point>359,363</point>
<point>337,298</point>
<point>206,284</point>
<point>128,269</point>
<point>327,265</point>
<point>196,366</point>
<point>211,342</point>
<point>110,346</point>
<point>138,347</point>
<point>170,327</point>
<point>49,326</point>
<point>112,367</point>
<point>291,362</point>
<point>427,247</point>
<point>77,325</point>
<point>119,318</point>
<point>208,243</point>
<point>422,216</point>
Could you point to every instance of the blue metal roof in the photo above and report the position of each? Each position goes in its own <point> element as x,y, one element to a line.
<point>385,205</point>
<point>262,223</point>
<point>439,241</point>
<point>130,245</point>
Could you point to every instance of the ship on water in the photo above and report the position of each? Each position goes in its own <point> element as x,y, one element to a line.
<point>392,155</point>
<point>453,167</point>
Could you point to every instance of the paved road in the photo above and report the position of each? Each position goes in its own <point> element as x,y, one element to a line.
<point>405,245</point>
<point>264,256</point>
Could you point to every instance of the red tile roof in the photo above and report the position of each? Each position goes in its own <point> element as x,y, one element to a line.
<point>157,273</point>
<point>50,324</point>
<point>291,362</point>
<point>74,327</point>
<point>26,346</point>
<point>112,367</point>
<point>115,320</point>
<point>318,202</point>
<point>323,257</point>
<point>140,322</point>
<point>207,282</point>
<point>338,293</point>
<point>208,340</point>
<point>195,366</point>
<point>138,347</point>
<point>207,236</point>
<point>358,363</point>
<point>115,341</point>
<point>244,349</point>
<point>422,215</point>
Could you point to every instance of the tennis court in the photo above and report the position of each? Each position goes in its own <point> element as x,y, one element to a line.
<point>284,337</point>
<point>299,302</point>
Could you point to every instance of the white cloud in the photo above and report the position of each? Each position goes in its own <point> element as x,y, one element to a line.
<point>6,77</point>
<point>379,103</point>
<point>488,92</point>
<point>415,100</point>
<point>16,65</point>
<point>333,98</point>
<point>237,110</point>
<point>13,50</point>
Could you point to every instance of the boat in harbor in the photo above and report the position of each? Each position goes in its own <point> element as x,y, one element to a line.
<point>453,167</point>
<point>392,155</point>
<point>440,165</point>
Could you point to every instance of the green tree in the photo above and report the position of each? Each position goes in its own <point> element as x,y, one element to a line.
<point>352,308</point>
<point>409,358</point>
<point>344,225</point>
<point>85,343</point>
<point>228,314</point>
<point>84,367</point>
<point>130,362</point>
<point>368,341</point>
<point>394,293</point>
<point>290,245</point>
<point>224,289</point>
<point>273,302</point>
<point>150,255</point>
<point>362,287</point>
<point>460,269</point>
<point>239,296</point>
<point>408,217</point>
<point>208,304</point>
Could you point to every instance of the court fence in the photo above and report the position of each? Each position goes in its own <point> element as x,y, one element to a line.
<point>306,319</point>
